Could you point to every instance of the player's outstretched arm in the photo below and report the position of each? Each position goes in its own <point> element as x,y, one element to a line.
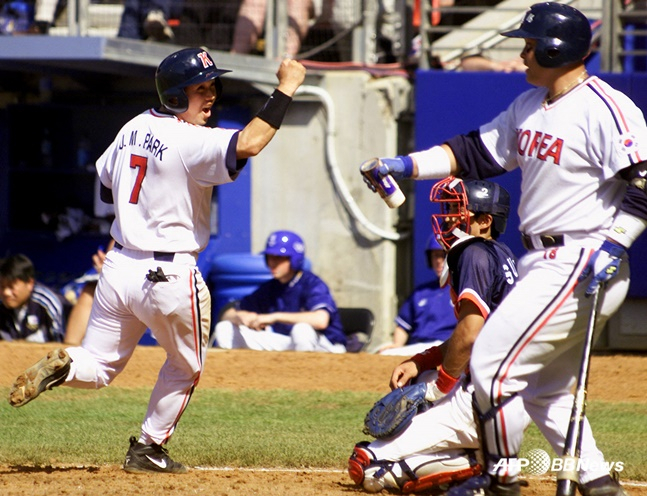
<point>262,128</point>
<point>437,162</point>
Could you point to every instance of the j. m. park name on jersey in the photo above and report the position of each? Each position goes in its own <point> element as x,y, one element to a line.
<point>539,145</point>
<point>151,144</point>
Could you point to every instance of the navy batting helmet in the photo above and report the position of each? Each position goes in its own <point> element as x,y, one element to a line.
<point>286,244</point>
<point>457,198</point>
<point>563,33</point>
<point>181,69</point>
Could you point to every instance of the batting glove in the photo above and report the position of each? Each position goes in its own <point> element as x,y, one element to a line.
<point>603,264</point>
<point>399,167</point>
<point>441,386</point>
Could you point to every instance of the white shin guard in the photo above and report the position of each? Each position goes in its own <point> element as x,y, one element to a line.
<point>414,473</point>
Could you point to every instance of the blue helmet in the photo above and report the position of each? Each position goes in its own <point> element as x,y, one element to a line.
<point>563,33</point>
<point>432,245</point>
<point>181,69</point>
<point>286,244</point>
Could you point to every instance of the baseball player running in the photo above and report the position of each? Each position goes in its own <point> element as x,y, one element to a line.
<point>581,146</point>
<point>160,171</point>
<point>440,444</point>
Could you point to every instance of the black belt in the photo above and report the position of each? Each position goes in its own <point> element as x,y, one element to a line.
<point>160,256</point>
<point>546,240</point>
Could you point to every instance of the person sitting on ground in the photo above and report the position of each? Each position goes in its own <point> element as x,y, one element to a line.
<point>427,316</point>
<point>30,310</point>
<point>293,311</point>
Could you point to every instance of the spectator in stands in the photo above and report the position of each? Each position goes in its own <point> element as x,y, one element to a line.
<point>45,12</point>
<point>30,311</point>
<point>16,17</point>
<point>80,293</point>
<point>480,62</point>
<point>293,311</point>
<point>302,15</point>
<point>444,15</point>
<point>28,16</point>
<point>251,22</point>
<point>148,20</point>
<point>427,317</point>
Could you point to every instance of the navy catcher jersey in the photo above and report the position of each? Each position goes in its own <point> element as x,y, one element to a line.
<point>427,314</point>
<point>482,271</point>
<point>306,292</point>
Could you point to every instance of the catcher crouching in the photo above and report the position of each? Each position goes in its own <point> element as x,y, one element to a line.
<point>425,429</point>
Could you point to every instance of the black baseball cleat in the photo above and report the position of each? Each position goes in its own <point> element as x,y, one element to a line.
<point>604,486</point>
<point>150,459</point>
<point>50,371</point>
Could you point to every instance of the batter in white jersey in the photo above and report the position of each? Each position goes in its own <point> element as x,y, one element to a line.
<point>581,147</point>
<point>159,172</point>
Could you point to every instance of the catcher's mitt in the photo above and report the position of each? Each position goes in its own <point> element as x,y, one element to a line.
<point>393,413</point>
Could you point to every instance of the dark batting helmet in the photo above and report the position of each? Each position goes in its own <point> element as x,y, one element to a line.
<point>457,198</point>
<point>286,244</point>
<point>181,69</point>
<point>563,33</point>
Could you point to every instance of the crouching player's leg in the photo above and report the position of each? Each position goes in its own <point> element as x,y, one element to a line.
<point>412,474</point>
<point>439,447</point>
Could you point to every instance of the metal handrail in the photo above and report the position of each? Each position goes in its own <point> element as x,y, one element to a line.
<point>490,35</point>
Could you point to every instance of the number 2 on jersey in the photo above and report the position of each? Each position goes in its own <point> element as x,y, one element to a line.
<point>141,163</point>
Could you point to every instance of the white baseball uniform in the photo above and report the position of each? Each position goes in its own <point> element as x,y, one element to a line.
<point>569,152</point>
<point>161,171</point>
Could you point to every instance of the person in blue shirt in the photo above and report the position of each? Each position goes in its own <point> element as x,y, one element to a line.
<point>292,311</point>
<point>427,316</point>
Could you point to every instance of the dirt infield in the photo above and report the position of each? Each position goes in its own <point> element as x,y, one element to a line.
<point>614,378</point>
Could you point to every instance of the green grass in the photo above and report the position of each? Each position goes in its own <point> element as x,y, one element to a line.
<point>620,431</point>
<point>220,428</point>
<point>248,429</point>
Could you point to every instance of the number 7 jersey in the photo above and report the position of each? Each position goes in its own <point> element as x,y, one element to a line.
<point>161,171</point>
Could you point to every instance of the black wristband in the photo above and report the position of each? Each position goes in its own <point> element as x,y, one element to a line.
<point>275,109</point>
